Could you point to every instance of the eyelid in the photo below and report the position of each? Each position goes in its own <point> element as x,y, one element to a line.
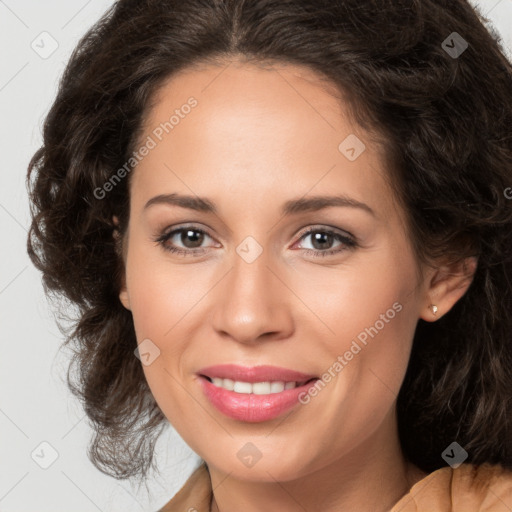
<point>301,233</point>
<point>346,239</point>
<point>326,228</point>
<point>168,233</point>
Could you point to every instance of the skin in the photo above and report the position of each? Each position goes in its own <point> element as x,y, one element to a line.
<point>258,138</point>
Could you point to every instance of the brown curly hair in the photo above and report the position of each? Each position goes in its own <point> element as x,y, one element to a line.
<point>447,124</point>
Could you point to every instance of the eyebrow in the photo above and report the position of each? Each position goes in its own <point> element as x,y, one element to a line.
<point>293,206</point>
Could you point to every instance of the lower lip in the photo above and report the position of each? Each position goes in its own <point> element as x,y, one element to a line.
<point>250,407</point>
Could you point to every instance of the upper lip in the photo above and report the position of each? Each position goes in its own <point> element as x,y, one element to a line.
<point>253,374</point>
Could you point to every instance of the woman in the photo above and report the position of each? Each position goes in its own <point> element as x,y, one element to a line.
<point>286,227</point>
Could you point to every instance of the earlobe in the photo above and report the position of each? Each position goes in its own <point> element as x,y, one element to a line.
<point>125,299</point>
<point>448,284</point>
<point>123,294</point>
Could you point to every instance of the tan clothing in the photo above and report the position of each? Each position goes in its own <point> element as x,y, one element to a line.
<point>468,488</point>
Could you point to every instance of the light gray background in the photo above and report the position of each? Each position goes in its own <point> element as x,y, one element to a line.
<point>35,405</point>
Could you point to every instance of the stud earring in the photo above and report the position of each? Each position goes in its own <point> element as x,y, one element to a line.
<point>434,308</point>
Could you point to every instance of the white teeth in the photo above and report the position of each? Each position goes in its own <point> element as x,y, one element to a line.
<point>257,388</point>
<point>217,381</point>
<point>261,388</point>
<point>276,387</point>
<point>242,387</point>
<point>227,384</point>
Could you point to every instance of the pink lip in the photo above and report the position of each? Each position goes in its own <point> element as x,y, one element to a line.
<point>253,374</point>
<point>250,407</point>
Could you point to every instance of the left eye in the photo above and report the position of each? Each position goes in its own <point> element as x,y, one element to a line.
<point>192,239</point>
<point>322,237</point>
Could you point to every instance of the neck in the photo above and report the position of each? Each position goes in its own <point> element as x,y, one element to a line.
<point>372,477</point>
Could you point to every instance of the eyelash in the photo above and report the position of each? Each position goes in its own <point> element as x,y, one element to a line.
<point>348,242</point>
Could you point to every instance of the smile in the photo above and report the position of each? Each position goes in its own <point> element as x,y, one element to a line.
<point>257,388</point>
<point>253,402</point>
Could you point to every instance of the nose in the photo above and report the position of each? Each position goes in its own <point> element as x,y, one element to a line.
<point>253,302</point>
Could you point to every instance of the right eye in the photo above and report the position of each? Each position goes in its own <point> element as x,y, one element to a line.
<point>186,235</point>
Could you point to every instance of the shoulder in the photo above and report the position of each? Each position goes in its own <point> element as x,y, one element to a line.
<point>467,488</point>
<point>195,495</point>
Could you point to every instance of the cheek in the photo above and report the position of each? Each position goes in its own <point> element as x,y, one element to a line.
<point>164,300</point>
<point>160,302</point>
<point>368,317</point>
<point>160,293</point>
<point>342,303</point>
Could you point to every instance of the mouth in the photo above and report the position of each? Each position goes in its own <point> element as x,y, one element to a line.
<point>256,388</point>
<point>253,402</point>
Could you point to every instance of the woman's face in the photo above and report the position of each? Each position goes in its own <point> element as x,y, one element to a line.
<point>251,287</point>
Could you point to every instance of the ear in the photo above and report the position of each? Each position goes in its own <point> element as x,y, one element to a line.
<point>123,294</point>
<point>446,285</point>
<point>124,298</point>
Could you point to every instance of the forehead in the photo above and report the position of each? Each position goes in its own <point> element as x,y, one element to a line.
<point>248,122</point>
<point>246,91</point>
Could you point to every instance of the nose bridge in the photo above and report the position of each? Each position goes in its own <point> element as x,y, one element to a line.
<point>252,301</point>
